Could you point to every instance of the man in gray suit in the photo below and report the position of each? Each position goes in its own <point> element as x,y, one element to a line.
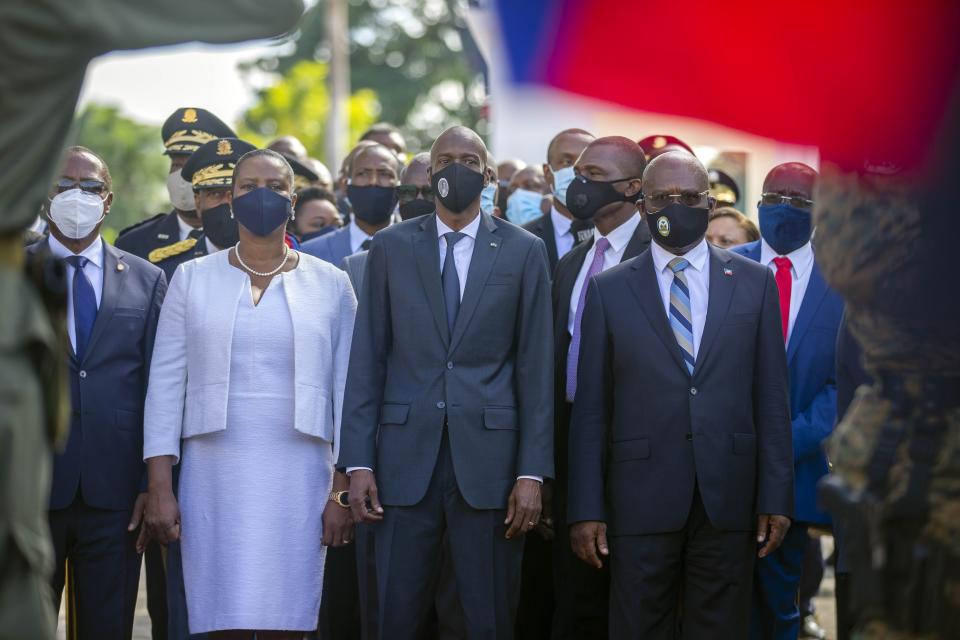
<point>455,415</point>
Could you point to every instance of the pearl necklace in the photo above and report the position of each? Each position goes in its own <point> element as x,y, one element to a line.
<point>262,274</point>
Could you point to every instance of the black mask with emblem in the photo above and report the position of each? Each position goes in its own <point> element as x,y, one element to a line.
<point>220,226</point>
<point>677,226</point>
<point>457,186</point>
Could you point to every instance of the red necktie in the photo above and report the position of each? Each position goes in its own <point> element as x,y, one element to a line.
<point>784,284</point>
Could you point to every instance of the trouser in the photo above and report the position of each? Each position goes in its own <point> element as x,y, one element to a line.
<point>105,568</point>
<point>699,576</point>
<point>156,591</point>
<point>340,606</point>
<point>535,613</point>
<point>810,576</point>
<point>486,566</point>
<point>775,614</point>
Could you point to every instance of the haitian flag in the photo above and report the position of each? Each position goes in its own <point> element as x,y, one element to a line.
<point>865,81</point>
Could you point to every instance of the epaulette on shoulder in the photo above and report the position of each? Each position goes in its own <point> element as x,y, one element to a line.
<point>175,249</point>
<point>140,224</point>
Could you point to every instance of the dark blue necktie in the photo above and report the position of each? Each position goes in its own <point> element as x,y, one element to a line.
<point>451,281</point>
<point>84,305</point>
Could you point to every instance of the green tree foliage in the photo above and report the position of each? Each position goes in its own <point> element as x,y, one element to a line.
<point>134,153</point>
<point>416,55</point>
<point>298,104</point>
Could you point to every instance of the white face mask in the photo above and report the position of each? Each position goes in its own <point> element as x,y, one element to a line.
<point>180,191</point>
<point>561,180</point>
<point>76,213</point>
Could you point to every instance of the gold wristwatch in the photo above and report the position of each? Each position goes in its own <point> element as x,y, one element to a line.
<point>342,498</point>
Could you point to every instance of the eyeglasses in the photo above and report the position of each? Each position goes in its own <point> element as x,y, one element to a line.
<point>408,192</point>
<point>663,200</point>
<point>88,186</point>
<point>794,201</point>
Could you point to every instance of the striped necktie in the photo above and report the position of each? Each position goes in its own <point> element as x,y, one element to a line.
<point>681,318</point>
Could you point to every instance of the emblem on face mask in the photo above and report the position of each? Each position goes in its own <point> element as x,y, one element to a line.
<point>443,187</point>
<point>663,226</point>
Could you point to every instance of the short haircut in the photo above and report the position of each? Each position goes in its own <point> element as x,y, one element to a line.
<point>309,194</point>
<point>380,127</point>
<point>553,140</point>
<point>77,149</point>
<point>745,223</point>
<point>635,162</point>
<point>264,153</point>
<point>397,162</point>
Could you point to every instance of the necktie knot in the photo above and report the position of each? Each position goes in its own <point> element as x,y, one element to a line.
<point>77,262</point>
<point>453,237</point>
<point>783,264</point>
<point>602,245</point>
<point>195,234</point>
<point>365,245</point>
<point>678,264</point>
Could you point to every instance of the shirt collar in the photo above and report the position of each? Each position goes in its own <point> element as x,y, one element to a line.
<point>697,257</point>
<point>185,229</point>
<point>93,253</point>
<point>619,237</point>
<point>560,222</point>
<point>801,259</point>
<point>357,235</point>
<point>469,230</point>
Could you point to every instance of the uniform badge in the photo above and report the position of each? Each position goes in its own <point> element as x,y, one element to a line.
<point>443,187</point>
<point>189,116</point>
<point>224,148</point>
<point>728,272</point>
<point>663,226</point>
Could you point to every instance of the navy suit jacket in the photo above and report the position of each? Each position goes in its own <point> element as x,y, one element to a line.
<point>104,452</point>
<point>813,384</point>
<point>542,227</point>
<point>148,235</point>
<point>332,247</point>
<point>487,382</point>
<point>645,432</point>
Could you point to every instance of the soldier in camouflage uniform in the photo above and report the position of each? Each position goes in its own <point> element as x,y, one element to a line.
<point>44,51</point>
<point>886,243</point>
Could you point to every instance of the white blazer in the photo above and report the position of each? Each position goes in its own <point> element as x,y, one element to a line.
<point>190,370</point>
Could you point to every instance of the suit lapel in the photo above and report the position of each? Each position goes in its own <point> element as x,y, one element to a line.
<point>427,252</point>
<point>344,242</point>
<point>812,298</point>
<point>722,283</point>
<point>485,251</point>
<point>565,282</point>
<point>639,242</point>
<point>647,289</point>
<point>550,239</point>
<point>114,277</point>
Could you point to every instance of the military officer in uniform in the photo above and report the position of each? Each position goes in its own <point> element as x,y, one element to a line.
<point>183,132</point>
<point>209,172</point>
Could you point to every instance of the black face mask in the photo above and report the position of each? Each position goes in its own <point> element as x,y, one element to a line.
<point>416,208</point>
<point>585,197</point>
<point>220,227</point>
<point>677,225</point>
<point>457,187</point>
<point>372,204</point>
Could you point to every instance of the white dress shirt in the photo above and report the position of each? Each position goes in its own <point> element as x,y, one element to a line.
<point>185,229</point>
<point>93,271</point>
<point>357,236</point>
<point>562,235</point>
<point>698,282</point>
<point>802,261</point>
<point>619,238</point>
<point>462,255</point>
<point>462,251</point>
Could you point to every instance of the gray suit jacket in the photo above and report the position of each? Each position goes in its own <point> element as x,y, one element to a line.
<point>355,265</point>
<point>490,380</point>
<point>332,247</point>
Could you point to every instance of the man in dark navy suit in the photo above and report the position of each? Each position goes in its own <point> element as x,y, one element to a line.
<point>680,455</point>
<point>112,310</point>
<point>810,317</point>
<point>581,592</point>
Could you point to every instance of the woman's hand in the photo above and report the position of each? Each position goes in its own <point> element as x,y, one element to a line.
<point>163,516</point>
<point>337,525</point>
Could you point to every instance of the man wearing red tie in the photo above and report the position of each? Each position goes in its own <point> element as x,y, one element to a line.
<point>810,313</point>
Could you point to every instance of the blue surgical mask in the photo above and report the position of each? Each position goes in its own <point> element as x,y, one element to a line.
<point>523,206</point>
<point>488,199</point>
<point>785,228</point>
<point>561,180</point>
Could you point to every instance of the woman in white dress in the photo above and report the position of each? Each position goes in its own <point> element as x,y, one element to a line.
<point>245,393</point>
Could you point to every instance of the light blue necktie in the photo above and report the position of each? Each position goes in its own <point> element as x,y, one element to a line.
<point>681,318</point>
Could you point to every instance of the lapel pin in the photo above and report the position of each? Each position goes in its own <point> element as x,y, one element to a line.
<point>120,266</point>
<point>493,244</point>
<point>163,236</point>
<point>728,272</point>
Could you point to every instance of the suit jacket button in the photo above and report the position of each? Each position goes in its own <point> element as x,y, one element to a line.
<point>83,374</point>
<point>689,437</point>
<point>693,391</point>
<point>449,365</point>
<point>441,405</point>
